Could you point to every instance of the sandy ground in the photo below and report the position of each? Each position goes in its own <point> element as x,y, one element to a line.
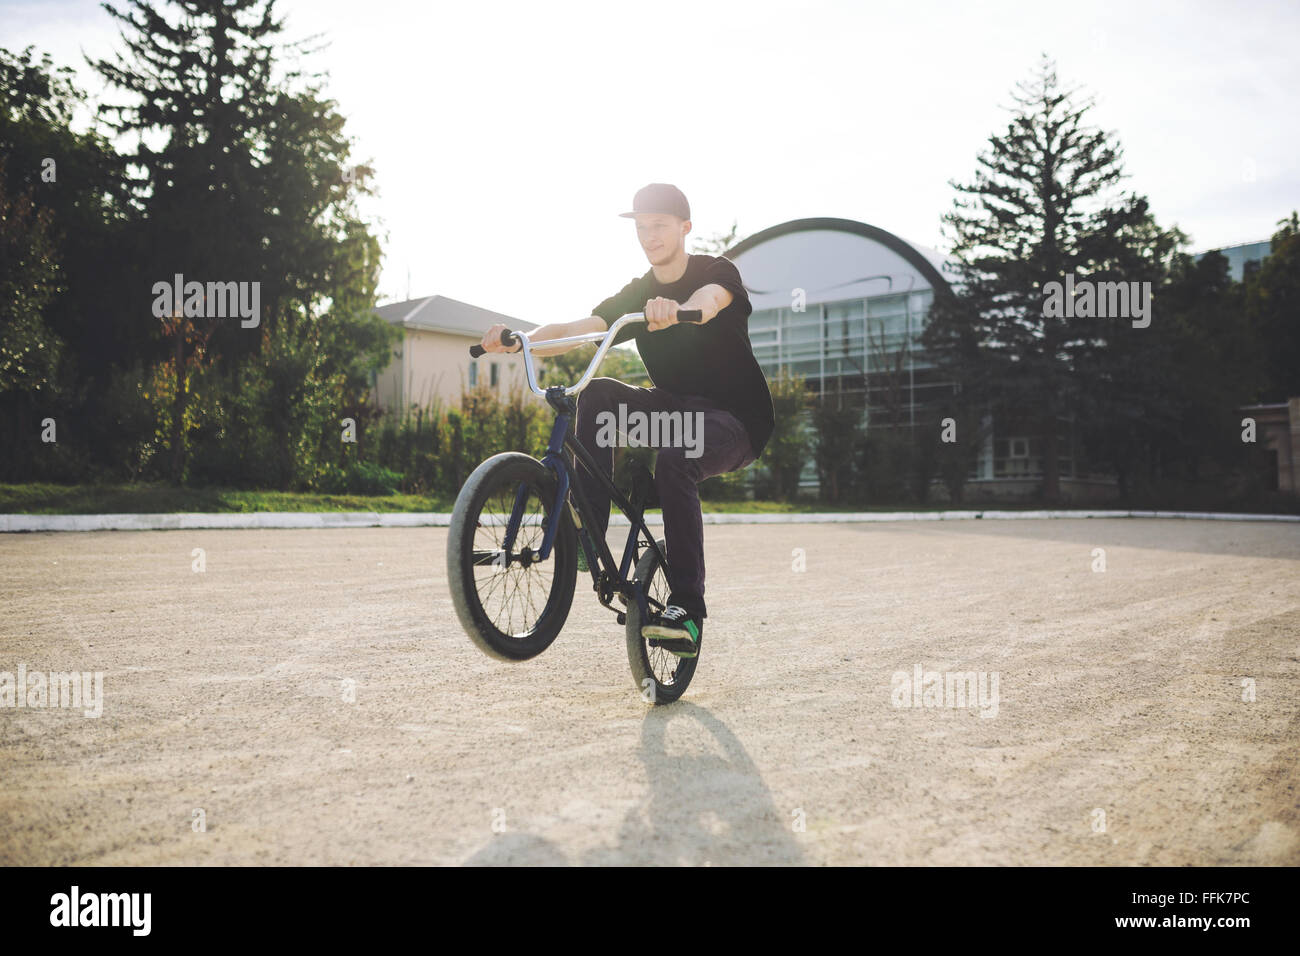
<point>1120,736</point>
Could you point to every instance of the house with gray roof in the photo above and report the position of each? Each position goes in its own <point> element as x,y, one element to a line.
<point>431,363</point>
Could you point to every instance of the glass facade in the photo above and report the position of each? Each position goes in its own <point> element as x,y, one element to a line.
<point>872,346</point>
<point>867,351</point>
<point>866,345</point>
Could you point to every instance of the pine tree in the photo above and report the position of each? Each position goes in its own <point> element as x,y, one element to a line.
<point>1045,202</point>
<point>245,177</point>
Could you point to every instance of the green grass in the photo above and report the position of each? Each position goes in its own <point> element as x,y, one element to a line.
<point>166,499</point>
<point>51,499</point>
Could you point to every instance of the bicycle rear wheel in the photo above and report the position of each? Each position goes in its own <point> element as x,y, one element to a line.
<point>660,676</point>
<point>511,604</point>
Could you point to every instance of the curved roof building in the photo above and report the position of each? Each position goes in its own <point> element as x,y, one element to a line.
<point>843,303</point>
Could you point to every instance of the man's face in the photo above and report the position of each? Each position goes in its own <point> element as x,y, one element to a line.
<point>661,236</point>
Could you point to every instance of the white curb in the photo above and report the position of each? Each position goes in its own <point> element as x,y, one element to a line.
<point>412,519</point>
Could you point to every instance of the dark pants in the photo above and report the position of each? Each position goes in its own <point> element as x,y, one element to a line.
<point>724,446</point>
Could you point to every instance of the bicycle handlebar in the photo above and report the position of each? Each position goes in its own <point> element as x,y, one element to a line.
<point>693,316</point>
<point>507,338</point>
<point>606,338</point>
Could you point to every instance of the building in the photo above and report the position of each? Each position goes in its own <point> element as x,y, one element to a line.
<point>1243,258</point>
<point>1277,428</point>
<point>843,304</point>
<point>838,302</point>
<point>431,364</point>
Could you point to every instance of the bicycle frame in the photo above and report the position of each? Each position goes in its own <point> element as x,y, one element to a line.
<point>561,440</point>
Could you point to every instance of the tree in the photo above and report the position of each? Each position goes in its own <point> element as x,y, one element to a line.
<point>1273,310</point>
<point>716,244</point>
<point>246,177</point>
<point>29,351</point>
<point>954,430</point>
<point>567,367</point>
<point>786,453</point>
<point>79,181</point>
<point>1045,202</point>
<point>71,183</point>
<point>836,425</point>
<point>29,279</point>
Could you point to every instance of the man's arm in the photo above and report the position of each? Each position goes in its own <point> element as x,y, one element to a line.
<point>555,330</point>
<point>560,330</point>
<point>709,299</point>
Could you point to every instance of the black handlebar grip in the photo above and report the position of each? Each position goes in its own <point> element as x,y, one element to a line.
<point>507,338</point>
<point>693,316</point>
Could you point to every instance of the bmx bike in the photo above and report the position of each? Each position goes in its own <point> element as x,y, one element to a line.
<point>518,522</point>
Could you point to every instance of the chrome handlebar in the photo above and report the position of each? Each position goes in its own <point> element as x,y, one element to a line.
<point>605,339</point>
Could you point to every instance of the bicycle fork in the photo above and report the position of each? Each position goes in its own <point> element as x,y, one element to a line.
<point>553,450</point>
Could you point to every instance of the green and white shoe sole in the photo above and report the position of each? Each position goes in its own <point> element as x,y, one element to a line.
<point>672,640</point>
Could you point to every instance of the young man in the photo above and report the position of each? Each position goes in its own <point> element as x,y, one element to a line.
<point>707,368</point>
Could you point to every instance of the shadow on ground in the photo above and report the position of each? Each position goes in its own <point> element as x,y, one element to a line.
<point>706,805</point>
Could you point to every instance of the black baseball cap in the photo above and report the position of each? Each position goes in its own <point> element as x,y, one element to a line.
<point>662,198</point>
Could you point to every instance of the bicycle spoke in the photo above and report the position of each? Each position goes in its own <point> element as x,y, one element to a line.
<point>663,663</point>
<point>513,595</point>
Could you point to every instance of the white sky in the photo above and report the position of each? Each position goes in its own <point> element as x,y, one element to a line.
<point>506,136</point>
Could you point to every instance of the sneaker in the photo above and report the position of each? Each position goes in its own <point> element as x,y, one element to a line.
<point>675,630</point>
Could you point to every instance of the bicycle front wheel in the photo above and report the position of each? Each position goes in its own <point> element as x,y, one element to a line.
<point>511,603</point>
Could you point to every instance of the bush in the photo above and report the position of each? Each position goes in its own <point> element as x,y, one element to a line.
<point>881,467</point>
<point>360,478</point>
<point>787,450</point>
<point>837,424</point>
<point>733,486</point>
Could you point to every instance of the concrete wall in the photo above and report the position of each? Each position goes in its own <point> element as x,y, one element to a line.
<point>1292,477</point>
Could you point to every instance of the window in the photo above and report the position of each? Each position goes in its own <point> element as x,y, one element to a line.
<point>844,328</point>
<point>1022,457</point>
<point>494,375</point>
<point>473,374</point>
<point>764,322</point>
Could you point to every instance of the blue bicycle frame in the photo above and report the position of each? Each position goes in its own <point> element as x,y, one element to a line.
<point>607,579</point>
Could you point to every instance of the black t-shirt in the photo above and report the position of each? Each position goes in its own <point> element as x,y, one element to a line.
<point>713,360</point>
